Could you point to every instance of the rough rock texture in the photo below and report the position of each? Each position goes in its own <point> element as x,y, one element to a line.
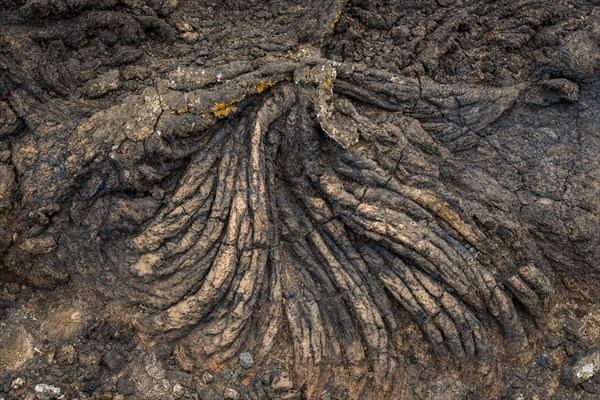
<point>389,197</point>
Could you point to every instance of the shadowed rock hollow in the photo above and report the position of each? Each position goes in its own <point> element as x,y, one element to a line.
<point>304,175</point>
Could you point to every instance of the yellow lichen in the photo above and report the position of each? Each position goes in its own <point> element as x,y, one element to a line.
<point>263,85</point>
<point>328,84</point>
<point>338,16</point>
<point>223,109</point>
<point>181,110</point>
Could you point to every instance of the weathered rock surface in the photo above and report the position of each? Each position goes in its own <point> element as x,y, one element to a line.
<point>583,368</point>
<point>356,192</point>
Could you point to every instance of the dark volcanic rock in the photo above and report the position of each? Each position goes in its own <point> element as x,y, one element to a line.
<point>126,386</point>
<point>354,192</point>
<point>583,367</point>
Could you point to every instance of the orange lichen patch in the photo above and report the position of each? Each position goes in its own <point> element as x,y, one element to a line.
<point>264,85</point>
<point>223,109</point>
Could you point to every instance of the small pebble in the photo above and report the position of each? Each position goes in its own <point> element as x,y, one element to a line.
<point>178,390</point>
<point>246,360</point>
<point>190,37</point>
<point>582,368</point>
<point>231,394</point>
<point>17,383</point>
<point>46,392</point>
<point>207,378</point>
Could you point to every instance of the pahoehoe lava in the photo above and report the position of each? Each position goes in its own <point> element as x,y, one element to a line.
<point>233,193</point>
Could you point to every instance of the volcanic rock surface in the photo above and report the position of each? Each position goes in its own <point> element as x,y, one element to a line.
<point>299,199</point>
